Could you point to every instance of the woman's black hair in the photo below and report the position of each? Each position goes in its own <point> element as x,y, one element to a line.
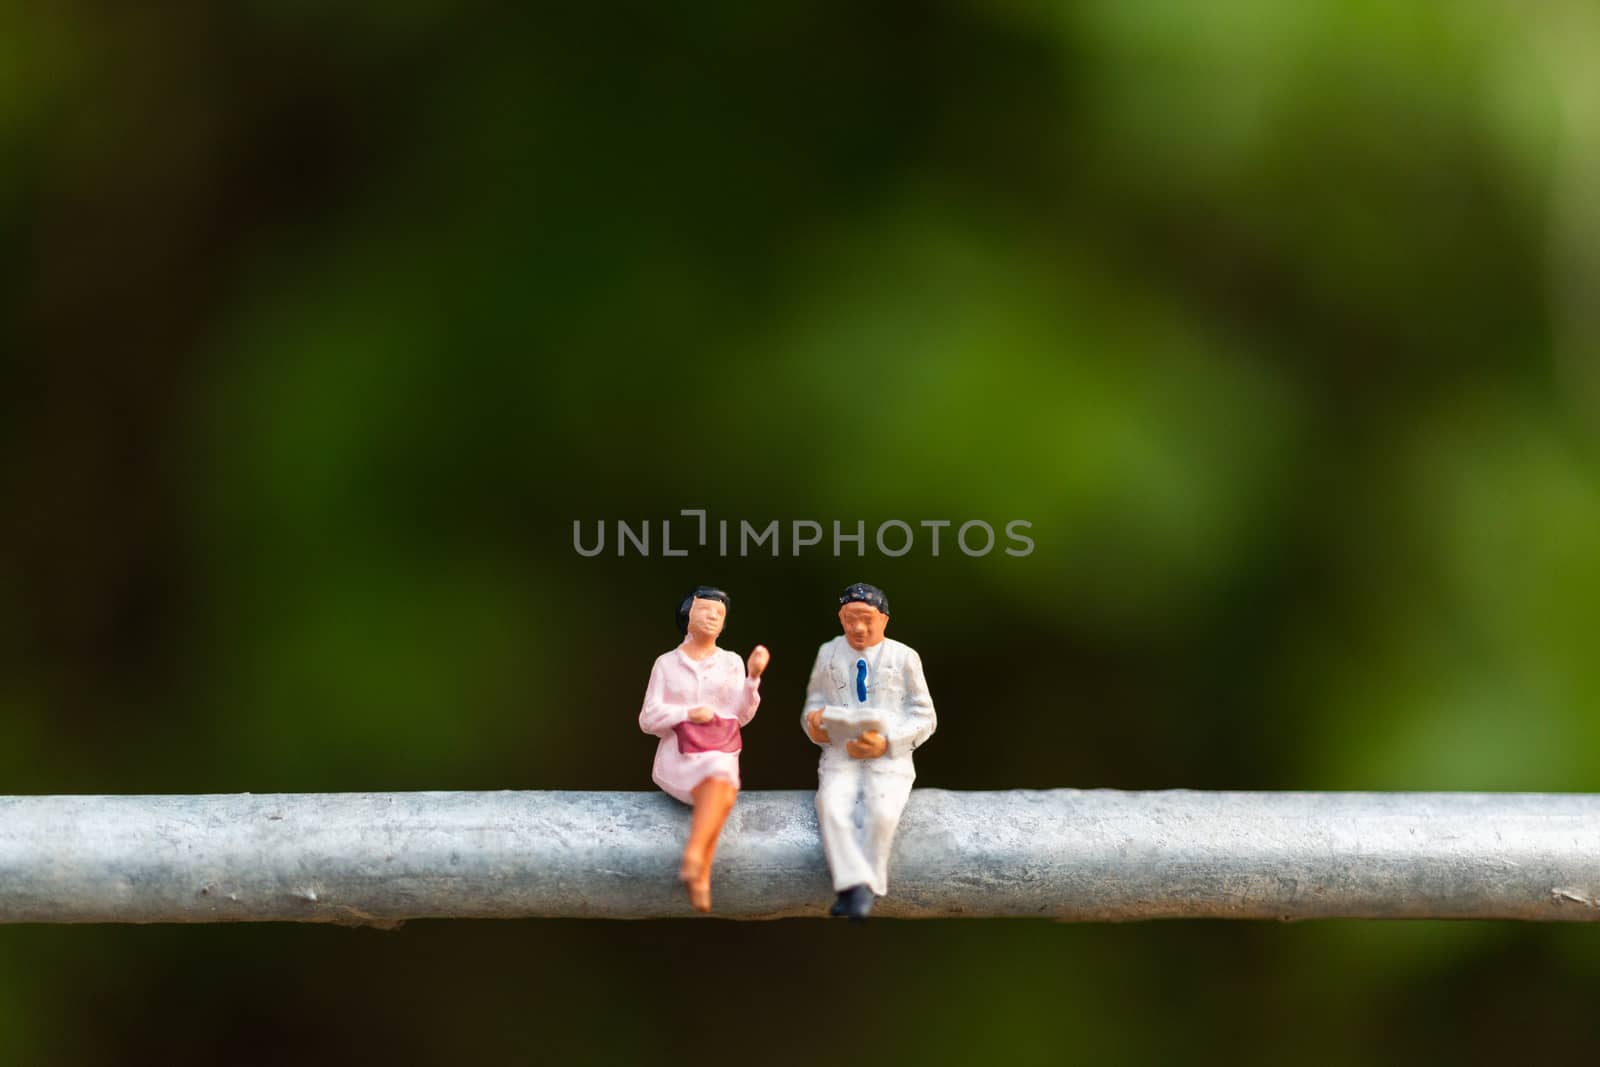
<point>703,592</point>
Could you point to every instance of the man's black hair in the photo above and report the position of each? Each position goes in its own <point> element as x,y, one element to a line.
<point>703,592</point>
<point>863,593</point>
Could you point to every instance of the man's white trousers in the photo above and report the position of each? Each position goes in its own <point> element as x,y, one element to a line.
<point>858,807</point>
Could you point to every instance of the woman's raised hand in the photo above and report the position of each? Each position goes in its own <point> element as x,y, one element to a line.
<point>759,658</point>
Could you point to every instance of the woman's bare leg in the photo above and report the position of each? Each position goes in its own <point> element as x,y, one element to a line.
<point>713,800</point>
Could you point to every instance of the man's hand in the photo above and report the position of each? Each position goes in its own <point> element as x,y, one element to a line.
<point>870,745</point>
<point>701,714</point>
<point>759,658</point>
<point>814,727</point>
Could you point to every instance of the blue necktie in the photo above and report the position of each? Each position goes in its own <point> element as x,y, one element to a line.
<point>861,680</point>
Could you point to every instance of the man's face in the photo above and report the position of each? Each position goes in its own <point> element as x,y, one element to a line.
<point>863,624</point>
<point>705,618</point>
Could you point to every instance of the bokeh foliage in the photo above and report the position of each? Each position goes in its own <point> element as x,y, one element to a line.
<point>323,324</point>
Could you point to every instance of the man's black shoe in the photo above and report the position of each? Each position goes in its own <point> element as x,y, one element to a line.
<point>854,903</point>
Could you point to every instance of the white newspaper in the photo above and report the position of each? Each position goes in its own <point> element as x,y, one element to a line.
<point>846,724</point>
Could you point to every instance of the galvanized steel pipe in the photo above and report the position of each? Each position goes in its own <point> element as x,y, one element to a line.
<point>377,859</point>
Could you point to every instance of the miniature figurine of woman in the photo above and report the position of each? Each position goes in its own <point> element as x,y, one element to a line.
<point>698,698</point>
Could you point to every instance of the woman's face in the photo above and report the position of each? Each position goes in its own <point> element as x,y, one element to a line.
<point>705,618</point>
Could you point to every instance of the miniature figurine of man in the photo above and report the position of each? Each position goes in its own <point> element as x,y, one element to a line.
<point>868,706</point>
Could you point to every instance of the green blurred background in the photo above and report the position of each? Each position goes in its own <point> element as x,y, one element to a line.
<point>1278,321</point>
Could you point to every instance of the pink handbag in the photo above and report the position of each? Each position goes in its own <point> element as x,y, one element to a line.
<point>718,735</point>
